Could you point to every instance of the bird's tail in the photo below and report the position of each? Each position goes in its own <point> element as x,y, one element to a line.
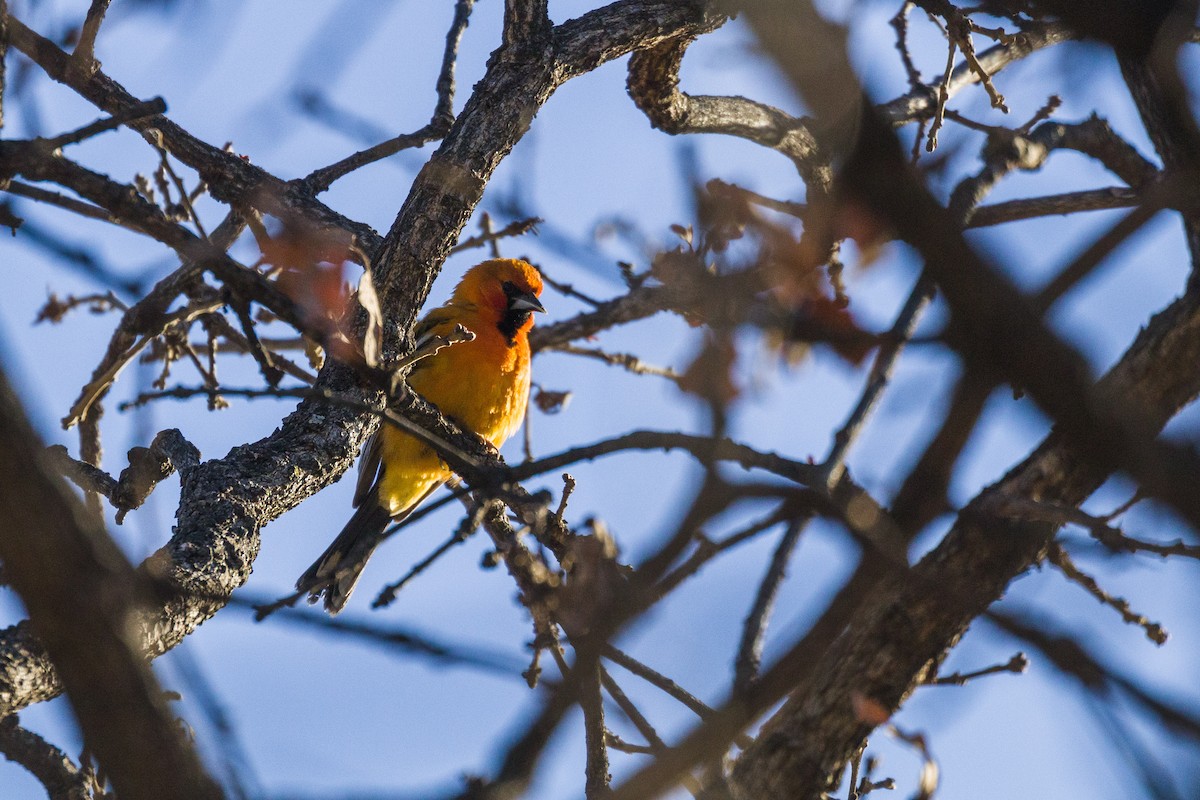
<point>336,572</point>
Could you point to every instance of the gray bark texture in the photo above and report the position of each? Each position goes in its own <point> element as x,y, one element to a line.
<point>226,502</point>
<point>889,628</point>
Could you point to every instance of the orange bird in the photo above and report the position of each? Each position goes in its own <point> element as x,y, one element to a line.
<point>482,384</point>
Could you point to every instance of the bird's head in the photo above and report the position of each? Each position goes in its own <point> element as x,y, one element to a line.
<point>507,288</point>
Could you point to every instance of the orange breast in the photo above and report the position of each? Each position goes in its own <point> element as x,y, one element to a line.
<point>482,384</point>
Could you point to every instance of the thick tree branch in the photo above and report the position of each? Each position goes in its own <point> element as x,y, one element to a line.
<point>620,28</point>
<point>525,22</point>
<point>83,601</point>
<point>895,633</point>
<point>906,628</point>
<point>654,86</point>
<point>224,503</point>
<point>61,778</point>
<point>1132,29</point>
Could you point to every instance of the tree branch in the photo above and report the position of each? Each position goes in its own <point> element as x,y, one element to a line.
<point>84,602</point>
<point>654,86</point>
<point>52,767</point>
<point>224,503</point>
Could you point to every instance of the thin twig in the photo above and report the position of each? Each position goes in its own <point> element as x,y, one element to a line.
<point>656,744</point>
<point>1100,249</point>
<point>62,201</point>
<point>489,236</point>
<point>434,345</point>
<point>188,392</point>
<point>568,488</point>
<point>702,447</point>
<point>465,529</point>
<point>83,59</point>
<point>900,24</point>
<point>626,361</point>
<point>320,180</point>
<point>184,195</point>
<point>1055,204</point>
<point>215,401</point>
<point>657,679</point>
<point>566,289</point>
<point>233,341</point>
<point>595,746</point>
<point>57,308</point>
<point>403,640</point>
<point>1059,558</point>
<point>445,82</point>
<point>516,228</point>
<point>943,96</point>
<point>1042,114</point>
<point>958,30</point>
<point>1017,664</point>
<point>749,655</point>
<point>707,550</point>
<point>147,109</point>
<point>60,777</point>
<point>271,372</point>
<point>855,765</point>
<point>632,712</point>
<point>615,742</point>
<point>1100,528</point>
<point>881,373</point>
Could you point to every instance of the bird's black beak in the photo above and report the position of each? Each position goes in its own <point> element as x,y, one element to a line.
<point>524,301</point>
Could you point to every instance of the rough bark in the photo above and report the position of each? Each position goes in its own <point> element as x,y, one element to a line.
<point>226,502</point>
<point>82,598</point>
<point>904,628</point>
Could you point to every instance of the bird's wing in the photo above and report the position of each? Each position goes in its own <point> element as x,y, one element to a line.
<point>370,468</point>
<point>437,322</point>
<point>370,464</point>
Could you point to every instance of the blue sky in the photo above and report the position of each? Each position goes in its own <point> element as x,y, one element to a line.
<point>317,714</point>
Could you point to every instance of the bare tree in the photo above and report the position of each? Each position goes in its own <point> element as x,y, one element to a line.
<point>260,267</point>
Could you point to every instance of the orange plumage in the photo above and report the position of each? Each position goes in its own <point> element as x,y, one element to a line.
<point>482,384</point>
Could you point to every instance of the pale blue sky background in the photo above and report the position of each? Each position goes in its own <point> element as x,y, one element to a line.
<point>319,715</point>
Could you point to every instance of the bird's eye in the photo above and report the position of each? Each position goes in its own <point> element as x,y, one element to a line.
<point>509,288</point>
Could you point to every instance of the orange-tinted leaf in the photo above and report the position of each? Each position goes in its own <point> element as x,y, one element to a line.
<point>869,231</point>
<point>683,233</point>
<point>308,265</point>
<point>844,335</point>
<point>675,266</point>
<point>299,248</point>
<point>725,212</point>
<point>711,374</point>
<point>319,289</point>
<point>54,310</point>
<point>551,402</point>
<point>869,711</point>
<point>791,265</point>
<point>594,579</point>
